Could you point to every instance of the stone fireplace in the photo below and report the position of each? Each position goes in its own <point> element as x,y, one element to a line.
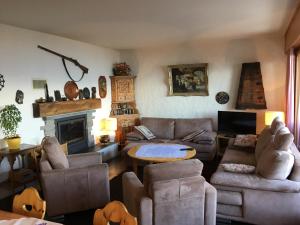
<point>74,128</point>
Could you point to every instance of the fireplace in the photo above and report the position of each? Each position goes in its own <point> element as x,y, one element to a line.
<point>73,131</point>
<point>75,128</point>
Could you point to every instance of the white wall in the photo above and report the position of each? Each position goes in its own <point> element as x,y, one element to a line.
<point>21,62</point>
<point>224,57</point>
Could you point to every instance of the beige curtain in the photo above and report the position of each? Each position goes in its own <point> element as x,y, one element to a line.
<point>297,101</point>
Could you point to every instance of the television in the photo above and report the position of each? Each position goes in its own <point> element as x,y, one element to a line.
<point>231,123</point>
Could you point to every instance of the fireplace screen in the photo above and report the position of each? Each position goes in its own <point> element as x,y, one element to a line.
<point>72,130</point>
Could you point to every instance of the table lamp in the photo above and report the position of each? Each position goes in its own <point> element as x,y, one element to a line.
<point>271,115</point>
<point>108,127</point>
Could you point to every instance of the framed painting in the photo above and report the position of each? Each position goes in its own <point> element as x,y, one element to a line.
<point>188,80</point>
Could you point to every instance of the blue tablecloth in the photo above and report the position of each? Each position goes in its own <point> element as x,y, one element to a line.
<point>161,151</point>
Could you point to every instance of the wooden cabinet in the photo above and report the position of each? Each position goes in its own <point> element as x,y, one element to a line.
<point>123,105</point>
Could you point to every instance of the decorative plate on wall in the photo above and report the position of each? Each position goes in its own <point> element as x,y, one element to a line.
<point>222,97</point>
<point>71,90</point>
<point>102,86</point>
<point>2,81</point>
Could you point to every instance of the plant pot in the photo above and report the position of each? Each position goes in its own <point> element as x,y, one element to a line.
<point>13,143</point>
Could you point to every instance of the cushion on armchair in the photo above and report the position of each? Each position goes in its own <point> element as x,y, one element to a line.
<point>54,153</point>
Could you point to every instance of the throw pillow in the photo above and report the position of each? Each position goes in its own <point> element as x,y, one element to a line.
<point>238,168</point>
<point>134,136</point>
<point>192,135</point>
<point>275,164</point>
<point>145,132</point>
<point>276,125</point>
<point>264,139</point>
<point>55,154</point>
<point>283,141</point>
<point>245,140</point>
<point>206,137</point>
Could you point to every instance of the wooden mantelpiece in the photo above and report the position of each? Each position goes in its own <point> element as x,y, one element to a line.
<point>55,108</point>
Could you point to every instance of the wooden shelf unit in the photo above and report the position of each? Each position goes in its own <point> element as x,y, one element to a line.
<point>123,106</point>
<point>55,108</point>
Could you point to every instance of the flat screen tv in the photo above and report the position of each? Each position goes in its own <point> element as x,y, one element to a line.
<point>232,122</point>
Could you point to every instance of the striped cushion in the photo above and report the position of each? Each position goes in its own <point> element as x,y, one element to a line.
<point>193,135</point>
<point>145,131</point>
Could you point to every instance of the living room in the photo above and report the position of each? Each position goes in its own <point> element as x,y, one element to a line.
<point>150,37</point>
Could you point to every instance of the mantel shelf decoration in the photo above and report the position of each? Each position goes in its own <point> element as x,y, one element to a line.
<point>251,90</point>
<point>55,108</point>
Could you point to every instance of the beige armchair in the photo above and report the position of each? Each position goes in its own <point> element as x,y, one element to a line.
<point>172,193</point>
<point>72,183</point>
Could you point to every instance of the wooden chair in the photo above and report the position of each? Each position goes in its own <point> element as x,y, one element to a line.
<point>115,212</point>
<point>29,203</point>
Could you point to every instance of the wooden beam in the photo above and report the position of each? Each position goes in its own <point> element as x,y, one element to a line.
<point>55,108</point>
<point>292,35</point>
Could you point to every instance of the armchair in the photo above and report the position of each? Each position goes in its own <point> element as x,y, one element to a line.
<point>82,183</point>
<point>172,193</point>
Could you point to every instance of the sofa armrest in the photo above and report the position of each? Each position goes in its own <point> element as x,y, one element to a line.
<point>146,212</point>
<point>84,159</point>
<point>63,189</point>
<point>210,204</point>
<point>133,191</point>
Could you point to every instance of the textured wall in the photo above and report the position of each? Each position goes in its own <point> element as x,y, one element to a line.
<point>224,57</point>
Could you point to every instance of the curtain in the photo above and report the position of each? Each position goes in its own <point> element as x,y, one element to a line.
<point>290,101</point>
<point>297,102</point>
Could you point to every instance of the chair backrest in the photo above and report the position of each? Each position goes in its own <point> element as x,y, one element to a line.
<point>115,212</point>
<point>29,203</point>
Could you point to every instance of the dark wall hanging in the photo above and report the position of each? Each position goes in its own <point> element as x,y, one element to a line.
<point>222,97</point>
<point>19,97</point>
<point>64,59</point>
<point>94,90</point>
<point>102,86</point>
<point>86,93</point>
<point>251,90</point>
<point>2,81</point>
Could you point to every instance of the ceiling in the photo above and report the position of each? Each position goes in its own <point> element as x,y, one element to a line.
<point>130,24</point>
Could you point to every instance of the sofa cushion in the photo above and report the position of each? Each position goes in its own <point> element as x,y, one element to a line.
<point>238,181</point>
<point>283,141</point>
<point>275,164</point>
<point>245,140</point>
<point>264,139</point>
<point>295,174</point>
<point>134,136</point>
<point>184,127</point>
<point>236,156</point>
<point>55,154</point>
<point>276,125</point>
<point>145,132</point>
<point>230,197</point>
<point>171,170</point>
<point>198,147</point>
<point>160,127</point>
<point>207,137</point>
<point>193,135</point>
<point>238,168</point>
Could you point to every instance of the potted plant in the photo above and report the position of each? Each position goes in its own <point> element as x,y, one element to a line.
<point>10,116</point>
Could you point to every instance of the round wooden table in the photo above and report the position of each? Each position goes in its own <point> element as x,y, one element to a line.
<point>136,159</point>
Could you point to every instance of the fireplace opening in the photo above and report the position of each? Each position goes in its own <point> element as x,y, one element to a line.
<point>72,130</point>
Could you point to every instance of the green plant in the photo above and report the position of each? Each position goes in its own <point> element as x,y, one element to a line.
<point>10,116</point>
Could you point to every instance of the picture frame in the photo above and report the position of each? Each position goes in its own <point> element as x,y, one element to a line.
<point>188,80</point>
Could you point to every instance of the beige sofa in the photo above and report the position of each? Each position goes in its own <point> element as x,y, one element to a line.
<point>253,198</point>
<point>169,130</point>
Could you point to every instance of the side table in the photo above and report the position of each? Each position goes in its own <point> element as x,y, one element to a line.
<point>108,151</point>
<point>11,155</point>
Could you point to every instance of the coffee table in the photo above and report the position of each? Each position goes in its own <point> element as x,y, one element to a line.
<point>159,153</point>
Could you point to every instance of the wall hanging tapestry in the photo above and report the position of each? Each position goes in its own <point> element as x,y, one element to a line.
<point>251,90</point>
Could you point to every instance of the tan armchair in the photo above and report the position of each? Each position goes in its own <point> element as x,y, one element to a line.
<point>80,183</point>
<point>172,193</point>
